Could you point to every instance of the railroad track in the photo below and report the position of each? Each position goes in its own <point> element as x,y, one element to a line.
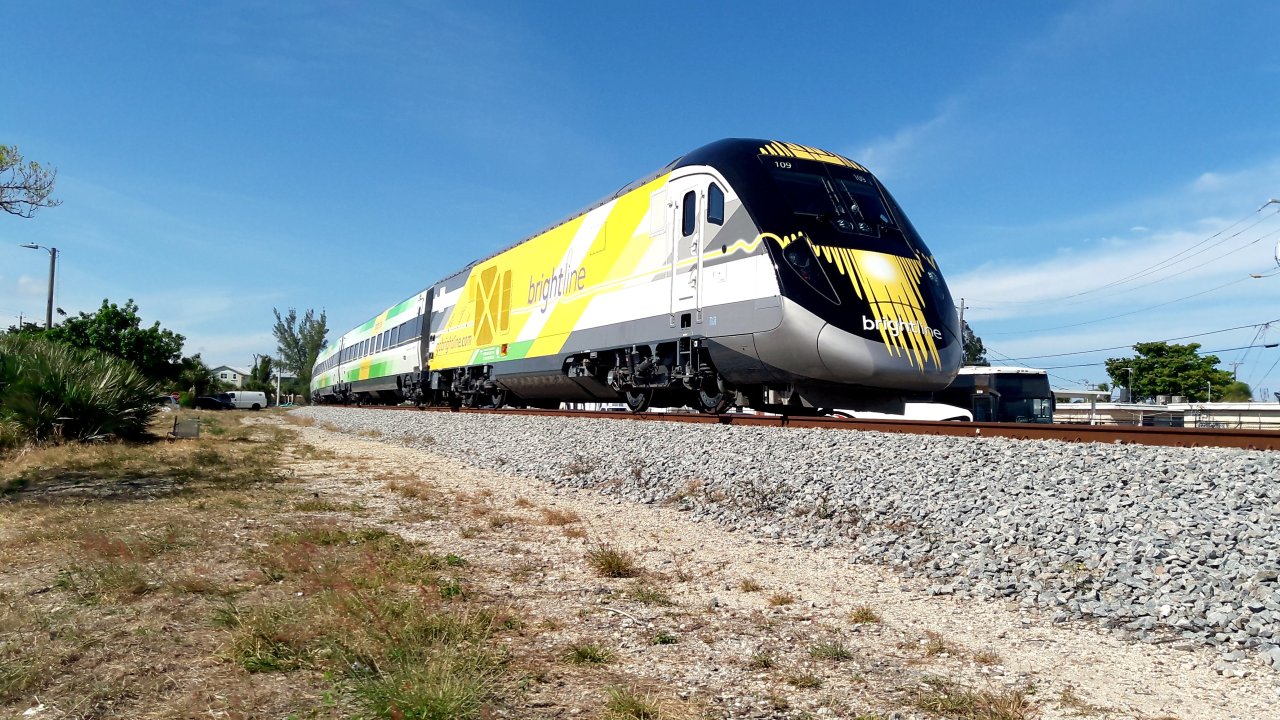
<point>1173,437</point>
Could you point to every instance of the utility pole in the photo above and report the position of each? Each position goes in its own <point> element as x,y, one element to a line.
<point>1235,366</point>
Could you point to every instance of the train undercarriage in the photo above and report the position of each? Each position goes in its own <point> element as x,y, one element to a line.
<point>676,373</point>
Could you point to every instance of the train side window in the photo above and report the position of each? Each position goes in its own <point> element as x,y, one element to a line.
<point>395,336</point>
<point>715,205</point>
<point>690,221</point>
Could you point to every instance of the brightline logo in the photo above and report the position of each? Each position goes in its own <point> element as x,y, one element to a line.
<point>898,327</point>
<point>564,281</point>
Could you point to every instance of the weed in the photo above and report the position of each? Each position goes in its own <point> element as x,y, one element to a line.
<point>369,433</point>
<point>109,580</point>
<point>630,703</point>
<point>948,700</point>
<point>579,466</point>
<point>863,615</point>
<point>650,595</point>
<point>450,589</point>
<point>471,531</point>
<point>750,585</point>
<point>588,654</point>
<point>662,637</point>
<point>804,681</point>
<point>761,660</point>
<point>986,657</point>
<point>781,598</point>
<point>832,650</point>
<point>575,533</point>
<point>611,562</point>
<point>551,516</point>
<point>454,561</point>
<point>270,638</point>
<point>934,644</point>
<point>523,503</point>
<point>1068,699</point>
<point>319,504</point>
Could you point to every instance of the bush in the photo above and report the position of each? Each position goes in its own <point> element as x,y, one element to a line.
<point>52,391</point>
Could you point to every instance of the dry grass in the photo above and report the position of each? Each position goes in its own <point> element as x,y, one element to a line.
<point>611,562</point>
<point>864,614</point>
<point>779,599</point>
<point>948,700</point>
<point>750,585</point>
<point>934,644</point>
<point>552,516</point>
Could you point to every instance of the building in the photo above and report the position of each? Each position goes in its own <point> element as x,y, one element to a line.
<point>229,375</point>
<point>1250,415</point>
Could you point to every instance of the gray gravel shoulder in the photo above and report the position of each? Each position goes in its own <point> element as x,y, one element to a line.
<point>1144,576</point>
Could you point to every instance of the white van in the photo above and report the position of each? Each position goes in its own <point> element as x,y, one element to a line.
<point>247,399</point>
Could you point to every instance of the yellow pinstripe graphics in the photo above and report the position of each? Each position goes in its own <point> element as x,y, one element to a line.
<point>890,285</point>
<point>804,152</point>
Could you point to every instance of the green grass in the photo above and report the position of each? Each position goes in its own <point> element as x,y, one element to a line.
<point>650,595</point>
<point>833,650</point>
<point>588,654</point>
<point>630,704</point>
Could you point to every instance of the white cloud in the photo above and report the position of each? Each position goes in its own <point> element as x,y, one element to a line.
<point>895,155</point>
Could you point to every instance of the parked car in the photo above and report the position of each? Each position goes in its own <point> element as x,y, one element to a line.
<point>214,402</point>
<point>246,399</point>
<point>167,403</point>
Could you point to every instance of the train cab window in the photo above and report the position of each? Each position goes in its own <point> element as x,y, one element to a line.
<point>715,205</point>
<point>690,222</point>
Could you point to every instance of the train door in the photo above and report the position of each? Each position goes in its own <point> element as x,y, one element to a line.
<point>687,196</point>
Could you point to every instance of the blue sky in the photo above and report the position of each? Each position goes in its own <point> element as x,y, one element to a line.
<point>216,160</point>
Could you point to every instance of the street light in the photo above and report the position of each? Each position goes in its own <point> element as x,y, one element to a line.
<point>1209,396</point>
<point>1130,371</point>
<point>53,264</point>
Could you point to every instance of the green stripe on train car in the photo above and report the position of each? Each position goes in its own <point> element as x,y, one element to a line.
<point>493,353</point>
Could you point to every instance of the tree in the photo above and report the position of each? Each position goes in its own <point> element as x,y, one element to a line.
<point>975,353</point>
<point>299,343</point>
<point>196,377</point>
<point>118,331</point>
<point>261,375</point>
<point>24,188</point>
<point>1161,368</point>
<point>1237,391</point>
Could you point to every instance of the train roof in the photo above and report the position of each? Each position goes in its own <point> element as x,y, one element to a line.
<point>729,152</point>
<point>998,370</point>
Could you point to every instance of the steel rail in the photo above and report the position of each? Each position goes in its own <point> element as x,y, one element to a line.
<point>1122,434</point>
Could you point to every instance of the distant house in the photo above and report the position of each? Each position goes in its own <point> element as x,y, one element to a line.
<point>230,375</point>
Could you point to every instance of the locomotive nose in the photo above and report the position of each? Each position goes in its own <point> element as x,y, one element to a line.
<point>845,355</point>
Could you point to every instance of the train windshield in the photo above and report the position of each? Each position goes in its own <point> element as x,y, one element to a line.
<point>840,198</point>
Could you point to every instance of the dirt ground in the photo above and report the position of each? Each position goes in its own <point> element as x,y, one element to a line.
<point>701,622</point>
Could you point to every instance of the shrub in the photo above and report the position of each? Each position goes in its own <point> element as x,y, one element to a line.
<point>52,391</point>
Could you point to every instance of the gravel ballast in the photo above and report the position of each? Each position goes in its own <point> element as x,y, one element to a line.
<point>1163,544</point>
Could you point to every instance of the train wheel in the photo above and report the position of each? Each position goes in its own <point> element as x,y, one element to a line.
<point>714,401</point>
<point>495,399</point>
<point>638,400</point>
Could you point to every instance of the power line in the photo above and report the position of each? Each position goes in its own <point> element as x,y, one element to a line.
<point>1260,326</point>
<point>1198,352</point>
<point>1131,312</point>
<point>1162,264</point>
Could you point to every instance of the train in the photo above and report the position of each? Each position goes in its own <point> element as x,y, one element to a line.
<point>1001,394</point>
<point>746,273</point>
